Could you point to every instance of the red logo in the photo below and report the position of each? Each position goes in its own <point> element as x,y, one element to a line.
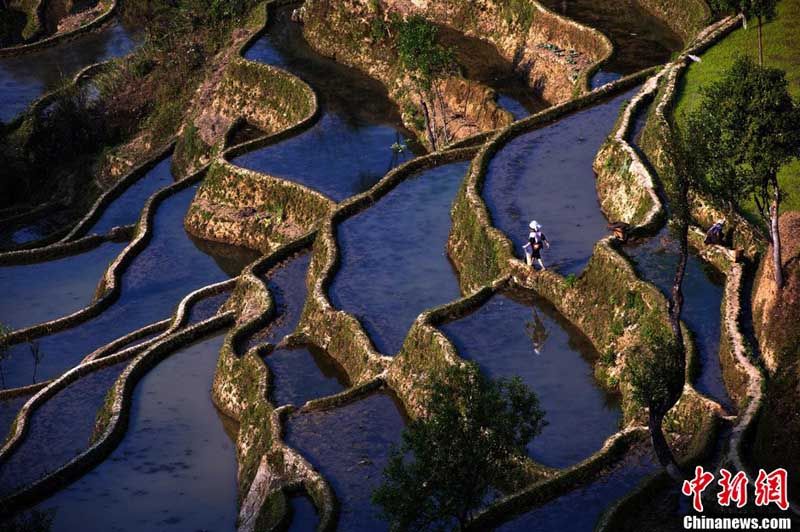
<point>772,488</point>
<point>734,488</point>
<point>769,488</point>
<point>696,486</point>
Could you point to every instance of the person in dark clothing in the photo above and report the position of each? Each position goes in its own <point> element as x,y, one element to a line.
<point>536,241</point>
<point>714,235</point>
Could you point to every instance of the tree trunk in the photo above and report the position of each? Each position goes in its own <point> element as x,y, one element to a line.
<point>777,265</point>
<point>661,447</point>
<point>760,44</point>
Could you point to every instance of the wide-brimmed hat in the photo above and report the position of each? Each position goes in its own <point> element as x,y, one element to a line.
<point>535,225</point>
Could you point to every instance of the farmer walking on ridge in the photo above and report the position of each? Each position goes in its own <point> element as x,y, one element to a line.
<point>536,240</point>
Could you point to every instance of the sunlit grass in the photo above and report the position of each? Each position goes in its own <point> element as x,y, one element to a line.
<point>781,50</point>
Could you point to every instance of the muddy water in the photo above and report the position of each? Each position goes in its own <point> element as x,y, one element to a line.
<point>579,510</point>
<point>546,175</point>
<point>176,467</point>
<point>350,147</point>
<point>526,337</point>
<point>56,288</point>
<point>399,246</point>
<point>153,284</point>
<point>52,289</point>
<point>59,430</point>
<point>350,447</point>
<point>26,77</point>
<point>703,289</point>
<point>640,39</point>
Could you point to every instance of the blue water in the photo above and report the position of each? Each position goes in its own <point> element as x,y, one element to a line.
<point>394,261</point>
<point>513,106</point>
<point>125,209</point>
<point>528,339</point>
<point>26,77</point>
<point>303,373</point>
<point>176,467</point>
<point>152,286</point>
<point>703,289</point>
<point>34,293</point>
<point>337,158</point>
<point>287,286</point>
<point>546,175</point>
<point>579,510</point>
<point>304,514</point>
<point>350,446</point>
<point>58,431</point>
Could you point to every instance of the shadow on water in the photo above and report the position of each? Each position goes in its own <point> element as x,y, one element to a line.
<point>303,514</point>
<point>17,234</point>
<point>302,373</point>
<point>350,447</point>
<point>152,285</point>
<point>640,39</point>
<point>287,285</point>
<point>580,509</point>
<point>24,78</point>
<point>56,288</point>
<point>351,146</point>
<point>176,466</point>
<point>399,246</point>
<point>518,335</point>
<point>480,61</point>
<point>546,175</point>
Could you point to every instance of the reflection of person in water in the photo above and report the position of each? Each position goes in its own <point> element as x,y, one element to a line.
<point>537,332</point>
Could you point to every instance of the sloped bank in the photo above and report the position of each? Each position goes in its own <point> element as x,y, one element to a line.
<point>554,54</point>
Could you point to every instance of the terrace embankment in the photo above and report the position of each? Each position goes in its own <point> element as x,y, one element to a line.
<point>551,53</point>
<point>776,315</point>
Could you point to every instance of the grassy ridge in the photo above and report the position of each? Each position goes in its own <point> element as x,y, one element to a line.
<point>781,50</point>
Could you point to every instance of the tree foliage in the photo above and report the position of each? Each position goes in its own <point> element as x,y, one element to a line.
<point>450,458</point>
<point>766,9</point>
<point>419,50</point>
<point>654,370</point>
<point>746,128</point>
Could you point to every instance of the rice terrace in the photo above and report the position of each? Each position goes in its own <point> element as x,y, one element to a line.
<point>363,265</point>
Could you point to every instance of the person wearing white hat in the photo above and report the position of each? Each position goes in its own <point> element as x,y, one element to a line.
<point>536,240</point>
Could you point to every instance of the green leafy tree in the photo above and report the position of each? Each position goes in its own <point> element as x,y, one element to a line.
<point>419,50</point>
<point>762,10</point>
<point>656,370</point>
<point>450,457</point>
<point>746,128</point>
<point>656,373</point>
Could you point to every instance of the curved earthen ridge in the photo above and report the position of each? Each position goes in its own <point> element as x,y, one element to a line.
<point>59,38</point>
<point>268,469</point>
<point>109,287</point>
<point>112,419</point>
